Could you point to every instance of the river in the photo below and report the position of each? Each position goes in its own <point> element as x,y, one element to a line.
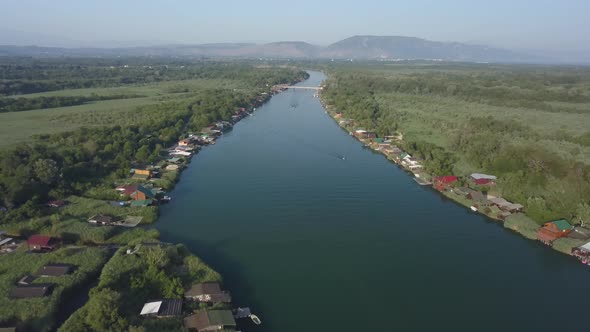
<point>316,233</point>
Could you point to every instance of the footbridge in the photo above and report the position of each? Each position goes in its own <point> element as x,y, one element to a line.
<point>284,86</point>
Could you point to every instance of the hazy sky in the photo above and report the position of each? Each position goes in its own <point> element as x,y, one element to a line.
<point>533,24</point>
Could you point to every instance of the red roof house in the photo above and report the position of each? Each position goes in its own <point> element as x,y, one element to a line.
<point>41,242</point>
<point>441,183</point>
<point>127,190</point>
<point>553,230</point>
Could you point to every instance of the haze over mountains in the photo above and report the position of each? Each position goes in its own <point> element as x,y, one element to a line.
<point>357,47</point>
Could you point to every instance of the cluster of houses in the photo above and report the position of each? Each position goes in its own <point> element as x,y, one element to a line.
<point>27,287</point>
<point>208,295</point>
<point>475,188</point>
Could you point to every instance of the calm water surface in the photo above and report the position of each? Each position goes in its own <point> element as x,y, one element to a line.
<point>313,242</point>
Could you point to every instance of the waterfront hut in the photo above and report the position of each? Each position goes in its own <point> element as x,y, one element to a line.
<point>210,320</point>
<point>42,243</point>
<point>55,270</point>
<point>442,183</point>
<point>553,230</point>
<point>162,308</point>
<point>30,291</point>
<point>582,253</point>
<point>142,193</point>
<point>209,292</point>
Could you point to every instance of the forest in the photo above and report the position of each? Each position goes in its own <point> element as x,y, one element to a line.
<point>528,125</point>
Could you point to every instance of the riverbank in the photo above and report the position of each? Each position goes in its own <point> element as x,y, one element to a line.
<point>102,217</point>
<point>456,189</point>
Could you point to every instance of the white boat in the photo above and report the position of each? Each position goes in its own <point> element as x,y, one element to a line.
<point>255,319</point>
<point>473,208</point>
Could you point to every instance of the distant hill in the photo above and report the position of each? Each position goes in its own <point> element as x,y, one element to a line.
<point>397,47</point>
<point>357,47</point>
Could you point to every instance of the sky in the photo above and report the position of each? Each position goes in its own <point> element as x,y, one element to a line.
<point>558,25</point>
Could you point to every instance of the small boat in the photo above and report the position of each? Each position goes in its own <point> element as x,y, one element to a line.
<point>255,319</point>
<point>473,208</point>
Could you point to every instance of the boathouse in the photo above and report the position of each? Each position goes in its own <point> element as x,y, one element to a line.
<point>553,230</point>
<point>582,253</point>
<point>210,320</point>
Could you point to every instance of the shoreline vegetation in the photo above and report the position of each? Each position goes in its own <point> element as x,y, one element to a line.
<point>384,119</point>
<point>90,201</point>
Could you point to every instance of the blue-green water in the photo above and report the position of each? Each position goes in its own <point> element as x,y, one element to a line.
<point>312,241</point>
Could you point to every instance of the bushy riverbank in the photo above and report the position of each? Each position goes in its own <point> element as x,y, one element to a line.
<point>56,183</point>
<point>433,159</point>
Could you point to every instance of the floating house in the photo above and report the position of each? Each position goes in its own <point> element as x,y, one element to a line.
<point>212,320</point>
<point>582,253</point>
<point>209,292</point>
<point>553,230</point>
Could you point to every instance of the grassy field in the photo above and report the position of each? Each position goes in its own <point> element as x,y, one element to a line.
<point>22,126</point>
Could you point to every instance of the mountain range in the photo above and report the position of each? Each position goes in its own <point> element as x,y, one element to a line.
<point>356,47</point>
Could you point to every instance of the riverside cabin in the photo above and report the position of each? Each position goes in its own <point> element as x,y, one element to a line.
<point>582,253</point>
<point>42,243</point>
<point>142,193</point>
<point>442,183</point>
<point>210,320</point>
<point>208,292</point>
<point>553,230</point>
